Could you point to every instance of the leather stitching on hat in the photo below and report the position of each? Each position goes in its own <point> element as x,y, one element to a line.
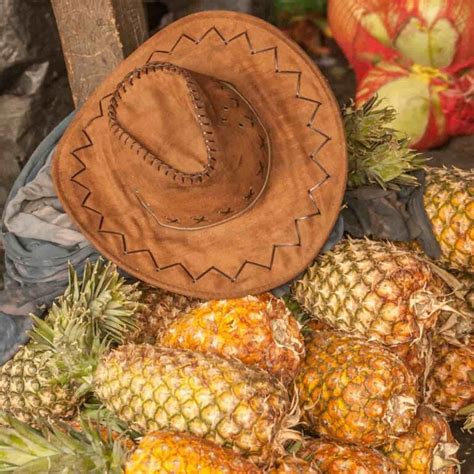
<point>312,156</point>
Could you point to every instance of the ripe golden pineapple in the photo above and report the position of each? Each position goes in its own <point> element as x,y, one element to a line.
<point>181,453</point>
<point>43,378</point>
<point>449,203</point>
<point>158,388</point>
<point>159,308</point>
<point>257,330</point>
<point>355,391</point>
<point>428,446</point>
<point>372,289</point>
<point>293,465</point>
<point>451,379</point>
<point>334,458</point>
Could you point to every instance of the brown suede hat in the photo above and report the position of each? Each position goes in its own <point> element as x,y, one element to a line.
<point>211,162</point>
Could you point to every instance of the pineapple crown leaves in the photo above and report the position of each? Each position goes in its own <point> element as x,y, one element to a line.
<point>57,447</point>
<point>377,154</point>
<point>110,301</point>
<point>93,314</point>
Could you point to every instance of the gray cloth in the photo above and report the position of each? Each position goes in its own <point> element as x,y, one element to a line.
<point>39,241</point>
<point>390,215</point>
<point>36,213</point>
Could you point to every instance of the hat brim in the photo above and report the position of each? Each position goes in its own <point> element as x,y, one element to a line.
<point>283,232</point>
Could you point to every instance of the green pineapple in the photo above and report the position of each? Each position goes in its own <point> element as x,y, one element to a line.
<point>157,388</point>
<point>49,376</point>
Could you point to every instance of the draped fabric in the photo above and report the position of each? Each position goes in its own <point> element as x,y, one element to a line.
<point>39,241</point>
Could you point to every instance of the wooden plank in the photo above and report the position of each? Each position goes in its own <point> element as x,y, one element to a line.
<point>96,35</point>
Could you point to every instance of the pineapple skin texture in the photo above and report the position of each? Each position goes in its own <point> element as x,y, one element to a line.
<point>158,309</point>
<point>451,379</point>
<point>449,203</point>
<point>258,331</point>
<point>367,288</point>
<point>180,453</point>
<point>157,388</point>
<point>429,436</point>
<point>27,391</point>
<point>293,465</point>
<point>334,458</point>
<point>355,391</point>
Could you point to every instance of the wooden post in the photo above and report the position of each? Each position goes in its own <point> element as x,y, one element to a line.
<point>96,35</point>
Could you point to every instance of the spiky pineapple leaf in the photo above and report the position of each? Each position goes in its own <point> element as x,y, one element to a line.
<point>58,448</point>
<point>105,294</point>
<point>376,153</point>
<point>93,314</point>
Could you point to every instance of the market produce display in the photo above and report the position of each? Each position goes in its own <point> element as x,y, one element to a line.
<point>358,368</point>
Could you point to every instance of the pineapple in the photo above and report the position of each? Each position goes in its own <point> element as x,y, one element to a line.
<point>333,457</point>
<point>156,388</point>
<point>428,447</point>
<point>450,384</point>
<point>377,155</point>
<point>257,330</point>
<point>355,391</point>
<point>372,289</point>
<point>57,447</point>
<point>293,465</point>
<point>44,378</point>
<point>159,308</point>
<point>449,203</point>
<point>181,453</point>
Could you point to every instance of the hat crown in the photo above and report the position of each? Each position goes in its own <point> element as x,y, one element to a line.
<point>196,131</point>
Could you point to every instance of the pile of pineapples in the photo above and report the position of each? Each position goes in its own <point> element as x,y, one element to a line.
<point>358,370</point>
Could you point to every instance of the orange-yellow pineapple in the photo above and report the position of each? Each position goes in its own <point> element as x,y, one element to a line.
<point>258,330</point>
<point>335,458</point>
<point>293,465</point>
<point>354,390</point>
<point>451,379</point>
<point>428,447</point>
<point>158,310</point>
<point>180,453</point>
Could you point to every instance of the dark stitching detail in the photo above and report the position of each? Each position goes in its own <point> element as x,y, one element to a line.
<point>261,168</point>
<point>312,156</point>
<point>249,195</point>
<point>199,219</point>
<point>226,212</point>
<point>195,94</point>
